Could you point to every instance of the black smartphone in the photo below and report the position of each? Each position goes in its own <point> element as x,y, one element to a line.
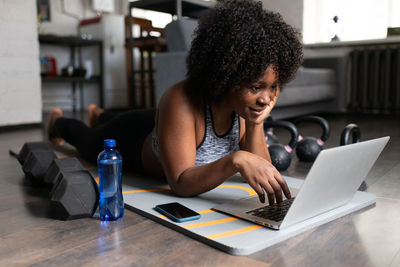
<point>177,212</point>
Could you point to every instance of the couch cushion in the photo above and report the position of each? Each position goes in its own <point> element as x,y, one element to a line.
<point>310,85</point>
<point>179,34</point>
<point>306,76</point>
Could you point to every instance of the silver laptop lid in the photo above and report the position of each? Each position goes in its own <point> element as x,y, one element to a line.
<point>334,178</point>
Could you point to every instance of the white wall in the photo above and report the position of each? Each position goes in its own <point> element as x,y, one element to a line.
<point>20,96</point>
<point>291,11</point>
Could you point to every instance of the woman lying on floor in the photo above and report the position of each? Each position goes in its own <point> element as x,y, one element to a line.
<point>209,126</point>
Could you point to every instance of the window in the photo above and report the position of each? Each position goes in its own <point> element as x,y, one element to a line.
<point>357,19</point>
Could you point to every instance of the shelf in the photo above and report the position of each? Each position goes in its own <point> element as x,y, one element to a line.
<point>146,41</point>
<point>93,79</point>
<point>67,40</point>
<point>75,43</point>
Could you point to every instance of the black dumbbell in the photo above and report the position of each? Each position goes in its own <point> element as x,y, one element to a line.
<point>75,195</point>
<point>36,164</point>
<point>281,154</point>
<point>31,146</point>
<point>308,148</point>
<point>352,132</point>
<point>40,163</point>
<point>58,166</point>
<point>270,138</point>
<point>74,192</point>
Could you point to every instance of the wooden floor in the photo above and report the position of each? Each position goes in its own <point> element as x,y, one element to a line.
<point>370,237</point>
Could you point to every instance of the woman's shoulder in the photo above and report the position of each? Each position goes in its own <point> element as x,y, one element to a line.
<point>177,96</point>
<point>175,92</point>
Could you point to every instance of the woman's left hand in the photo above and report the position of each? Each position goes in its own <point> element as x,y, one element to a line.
<point>272,103</point>
<point>269,108</point>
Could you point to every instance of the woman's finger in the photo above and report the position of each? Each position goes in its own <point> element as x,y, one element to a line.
<point>270,192</point>
<point>261,196</point>
<point>282,183</point>
<point>277,190</point>
<point>259,190</point>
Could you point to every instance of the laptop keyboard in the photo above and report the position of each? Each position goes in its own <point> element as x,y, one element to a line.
<point>274,212</point>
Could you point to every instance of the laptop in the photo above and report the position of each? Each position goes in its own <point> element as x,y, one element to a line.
<point>331,182</point>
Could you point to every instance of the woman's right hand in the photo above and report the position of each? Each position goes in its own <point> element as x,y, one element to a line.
<point>262,176</point>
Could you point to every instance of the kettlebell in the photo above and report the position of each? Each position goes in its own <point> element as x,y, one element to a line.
<point>270,138</point>
<point>352,130</point>
<point>281,154</point>
<point>308,148</point>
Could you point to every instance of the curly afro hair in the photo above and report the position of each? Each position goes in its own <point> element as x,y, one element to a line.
<point>233,45</point>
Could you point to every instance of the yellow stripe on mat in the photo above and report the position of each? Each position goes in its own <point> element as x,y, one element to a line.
<point>196,225</point>
<point>205,211</point>
<point>249,190</point>
<point>145,190</point>
<point>235,232</point>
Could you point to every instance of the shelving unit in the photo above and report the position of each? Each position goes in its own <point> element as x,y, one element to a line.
<point>147,45</point>
<point>179,8</point>
<point>76,43</point>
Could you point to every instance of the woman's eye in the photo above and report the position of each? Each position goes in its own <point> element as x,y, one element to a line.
<point>255,88</point>
<point>273,88</point>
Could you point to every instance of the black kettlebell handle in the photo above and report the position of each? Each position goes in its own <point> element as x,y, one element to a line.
<point>318,120</point>
<point>286,125</point>
<point>350,130</point>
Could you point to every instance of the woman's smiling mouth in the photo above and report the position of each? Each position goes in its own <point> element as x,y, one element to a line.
<point>256,112</point>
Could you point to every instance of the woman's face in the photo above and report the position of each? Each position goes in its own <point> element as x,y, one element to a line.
<point>256,102</point>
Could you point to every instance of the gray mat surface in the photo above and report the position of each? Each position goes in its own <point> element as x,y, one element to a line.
<point>230,234</point>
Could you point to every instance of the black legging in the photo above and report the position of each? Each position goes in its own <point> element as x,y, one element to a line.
<point>129,129</point>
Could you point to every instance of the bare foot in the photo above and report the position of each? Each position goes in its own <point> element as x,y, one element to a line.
<point>94,114</point>
<point>53,137</point>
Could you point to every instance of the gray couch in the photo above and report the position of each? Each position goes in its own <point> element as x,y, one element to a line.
<point>313,90</point>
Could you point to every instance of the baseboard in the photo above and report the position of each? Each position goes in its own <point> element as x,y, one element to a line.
<point>9,128</point>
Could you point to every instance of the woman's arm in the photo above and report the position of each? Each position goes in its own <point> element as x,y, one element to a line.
<point>254,140</point>
<point>176,129</point>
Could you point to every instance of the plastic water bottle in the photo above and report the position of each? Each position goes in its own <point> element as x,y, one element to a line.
<point>109,162</point>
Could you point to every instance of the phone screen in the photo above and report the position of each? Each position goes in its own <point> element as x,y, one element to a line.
<point>177,210</point>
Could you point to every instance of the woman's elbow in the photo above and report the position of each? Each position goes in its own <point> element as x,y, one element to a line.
<point>182,191</point>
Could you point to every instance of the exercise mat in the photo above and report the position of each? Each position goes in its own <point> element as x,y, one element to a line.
<point>229,234</point>
<point>219,230</point>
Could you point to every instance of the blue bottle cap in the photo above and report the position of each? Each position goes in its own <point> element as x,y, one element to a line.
<point>109,143</point>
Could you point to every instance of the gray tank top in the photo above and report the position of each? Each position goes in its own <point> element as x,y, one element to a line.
<point>213,146</point>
